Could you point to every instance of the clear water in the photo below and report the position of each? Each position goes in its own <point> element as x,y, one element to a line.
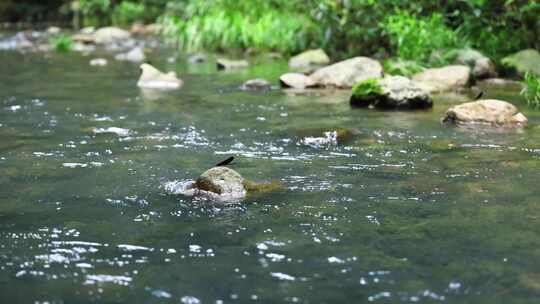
<point>405,211</point>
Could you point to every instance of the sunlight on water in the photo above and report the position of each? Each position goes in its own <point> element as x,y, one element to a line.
<point>96,203</point>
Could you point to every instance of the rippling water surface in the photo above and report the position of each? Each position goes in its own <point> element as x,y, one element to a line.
<point>404,210</point>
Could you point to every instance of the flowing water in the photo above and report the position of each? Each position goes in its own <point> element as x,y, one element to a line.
<point>405,210</point>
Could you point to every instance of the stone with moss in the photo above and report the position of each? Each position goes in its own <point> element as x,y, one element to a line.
<point>394,92</point>
<point>523,62</point>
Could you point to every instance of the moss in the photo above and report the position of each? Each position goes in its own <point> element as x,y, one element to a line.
<point>206,185</point>
<point>252,187</point>
<point>366,92</point>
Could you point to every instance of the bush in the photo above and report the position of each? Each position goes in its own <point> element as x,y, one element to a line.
<point>531,89</point>
<point>416,38</point>
<point>61,43</point>
<point>128,12</point>
<point>397,66</point>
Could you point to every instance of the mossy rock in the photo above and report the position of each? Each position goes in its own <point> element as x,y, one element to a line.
<point>393,92</point>
<point>523,62</point>
<point>366,93</point>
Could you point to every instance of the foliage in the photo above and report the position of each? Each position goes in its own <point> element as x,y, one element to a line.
<point>128,12</point>
<point>61,43</point>
<point>397,66</point>
<point>531,89</point>
<point>230,24</point>
<point>345,28</point>
<point>416,38</point>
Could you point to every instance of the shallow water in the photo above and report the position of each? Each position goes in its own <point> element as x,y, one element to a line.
<point>404,211</point>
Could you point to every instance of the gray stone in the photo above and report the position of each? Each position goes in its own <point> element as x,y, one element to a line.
<point>485,112</point>
<point>196,58</point>
<point>444,79</point>
<point>152,78</point>
<point>347,73</point>
<point>296,81</point>
<point>309,58</point>
<point>256,85</point>
<point>110,35</point>
<point>482,67</point>
<point>226,64</point>
<point>135,55</point>
<point>98,62</point>
<point>19,41</point>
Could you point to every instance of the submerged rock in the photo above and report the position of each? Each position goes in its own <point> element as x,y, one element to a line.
<point>482,67</point>
<point>523,62</point>
<point>152,78</point>
<point>347,73</point>
<point>226,64</point>
<point>256,85</point>
<point>393,92</point>
<point>330,137</point>
<point>309,58</point>
<point>488,111</point>
<point>135,55</point>
<point>110,35</point>
<point>196,58</point>
<point>444,79</point>
<point>296,81</point>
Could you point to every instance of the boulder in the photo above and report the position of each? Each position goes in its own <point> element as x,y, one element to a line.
<point>392,92</point>
<point>309,58</point>
<point>482,67</point>
<point>347,73</point>
<point>226,64</point>
<point>152,78</point>
<point>135,55</point>
<point>488,111</point>
<point>523,62</point>
<point>110,35</point>
<point>296,81</point>
<point>444,79</point>
<point>222,181</point>
<point>256,85</point>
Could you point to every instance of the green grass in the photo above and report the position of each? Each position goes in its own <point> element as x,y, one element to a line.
<point>61,43</point>
<point>531,90</point>
<point>416,38</point>
<point>229,27</point>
